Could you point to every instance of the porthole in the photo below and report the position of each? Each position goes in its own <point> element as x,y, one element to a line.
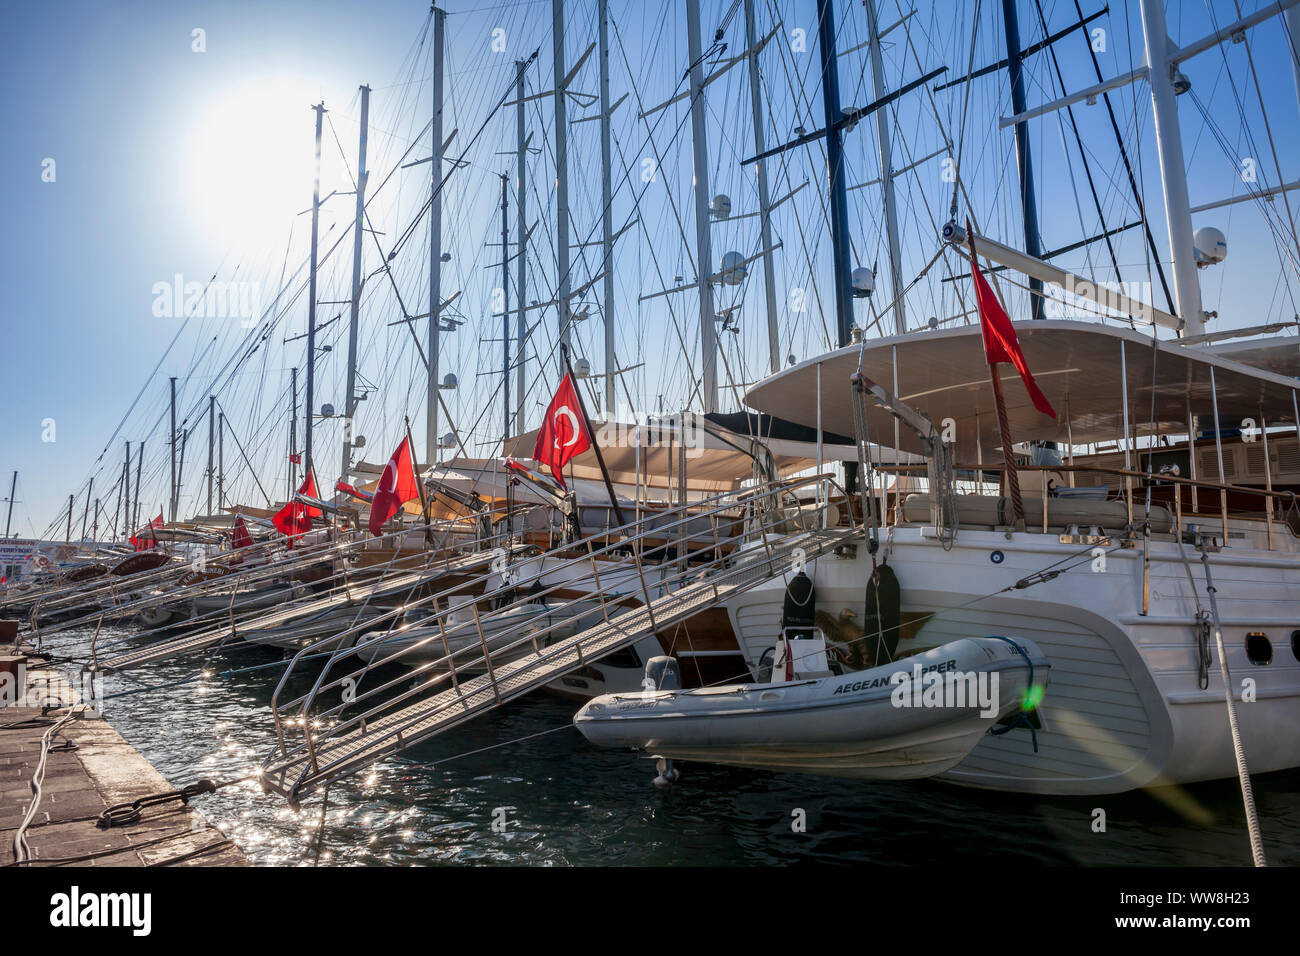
<point>1259,648</point>
<point>1295,644</point>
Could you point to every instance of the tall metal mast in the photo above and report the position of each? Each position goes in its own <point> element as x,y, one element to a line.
<point>835,166</point>
<point>1293,45</point>
<point>212,406</point>
<point>358,232</point>
<point>139,466</point>
<point>85,511</point>
<point>311,301</point>
<point>221,461</point>
<point>13,489</point>
<point>703,241</point>
<point>521,268</point>
<point>1024,164</point>
<point>293,431</point>
<point>172,499</point>
<point>117,507</point>
<point>505,304</point>
<point>764,192</point>
<point>1173,168</point>
<point>562,282</point>
<point>128,524</point>
<point>435,241</point>
<point>606,204</point>
<point>885,149</point>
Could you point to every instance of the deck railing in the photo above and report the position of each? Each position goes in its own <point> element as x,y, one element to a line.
<point>1176,485</point>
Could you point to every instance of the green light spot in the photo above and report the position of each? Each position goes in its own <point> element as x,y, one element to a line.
<point>1033,697</point>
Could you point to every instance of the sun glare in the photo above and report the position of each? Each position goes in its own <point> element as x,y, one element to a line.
<point>250,159</point>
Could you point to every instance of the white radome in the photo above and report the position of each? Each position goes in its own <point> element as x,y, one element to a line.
<point>864,281</point>
<point>1211,245</point>
<point>733,270</point>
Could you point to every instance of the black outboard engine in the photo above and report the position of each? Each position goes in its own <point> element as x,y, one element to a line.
<point>663,673</point>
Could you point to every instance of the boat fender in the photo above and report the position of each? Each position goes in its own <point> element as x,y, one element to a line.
<point>800,607</point>
<point>880,624</point>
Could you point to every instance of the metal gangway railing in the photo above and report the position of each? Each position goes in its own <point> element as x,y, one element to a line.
<point>347,587</point>
<point>757,534</point>
<point>111,598</point>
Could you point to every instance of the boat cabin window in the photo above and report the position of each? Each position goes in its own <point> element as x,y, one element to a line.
<point>1295,644</point>
<point>627,657</point>
<point>1259,648</point>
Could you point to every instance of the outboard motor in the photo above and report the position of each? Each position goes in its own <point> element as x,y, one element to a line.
<point>663,673</point>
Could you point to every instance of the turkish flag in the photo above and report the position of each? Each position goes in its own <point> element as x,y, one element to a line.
<point>564,434</point>
<point>241,537</point>
<point>353,492</point>
<point>294,519</point>
<point>1000,341</point>
<point>397,486</point>
<point>145,538</point>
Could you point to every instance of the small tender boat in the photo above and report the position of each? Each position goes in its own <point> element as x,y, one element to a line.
<point>915,717</point>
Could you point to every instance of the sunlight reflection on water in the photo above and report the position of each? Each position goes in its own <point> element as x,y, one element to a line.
<point>555,800</point>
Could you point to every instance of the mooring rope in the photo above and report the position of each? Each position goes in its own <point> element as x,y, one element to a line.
<point>1238,748</point>
<point>23,852</point>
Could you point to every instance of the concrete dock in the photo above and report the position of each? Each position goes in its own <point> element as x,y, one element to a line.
<point>90,767</point>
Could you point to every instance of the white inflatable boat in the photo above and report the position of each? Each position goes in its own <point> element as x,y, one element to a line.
<point>916,717</point>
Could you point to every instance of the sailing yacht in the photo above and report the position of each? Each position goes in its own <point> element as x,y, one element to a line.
<point>1162,595</point>
<point>1113,587</point>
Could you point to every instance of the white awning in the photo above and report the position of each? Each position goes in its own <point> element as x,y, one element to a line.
<point>1076,364</point>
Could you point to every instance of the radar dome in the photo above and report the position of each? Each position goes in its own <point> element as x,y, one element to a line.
<point>1211,246</point>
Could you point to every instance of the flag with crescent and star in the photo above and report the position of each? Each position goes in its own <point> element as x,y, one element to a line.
<point>397,486</point>
<point>294,519</point>
<point>565,433</point>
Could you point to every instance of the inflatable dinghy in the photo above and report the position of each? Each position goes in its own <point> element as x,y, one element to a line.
<point>916,717</point>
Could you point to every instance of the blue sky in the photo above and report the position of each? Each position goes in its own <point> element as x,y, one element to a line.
<point>170,161</point>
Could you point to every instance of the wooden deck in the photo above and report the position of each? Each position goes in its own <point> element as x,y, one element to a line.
<point>90,768</point>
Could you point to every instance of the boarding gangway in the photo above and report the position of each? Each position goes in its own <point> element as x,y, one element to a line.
<point>760,534</point>
<point>226,627</point>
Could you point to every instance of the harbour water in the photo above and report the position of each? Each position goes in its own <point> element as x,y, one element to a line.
<point>555,800</point>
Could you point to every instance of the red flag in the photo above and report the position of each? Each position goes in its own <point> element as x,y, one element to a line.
<point>241,537</point>
<point>1000,342</point>
<point>296,459</point>
<point>563,436</point>
<point>349,490</point>
<point>294,519</point>
<point>140,541</point>
<point>397,486</point>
